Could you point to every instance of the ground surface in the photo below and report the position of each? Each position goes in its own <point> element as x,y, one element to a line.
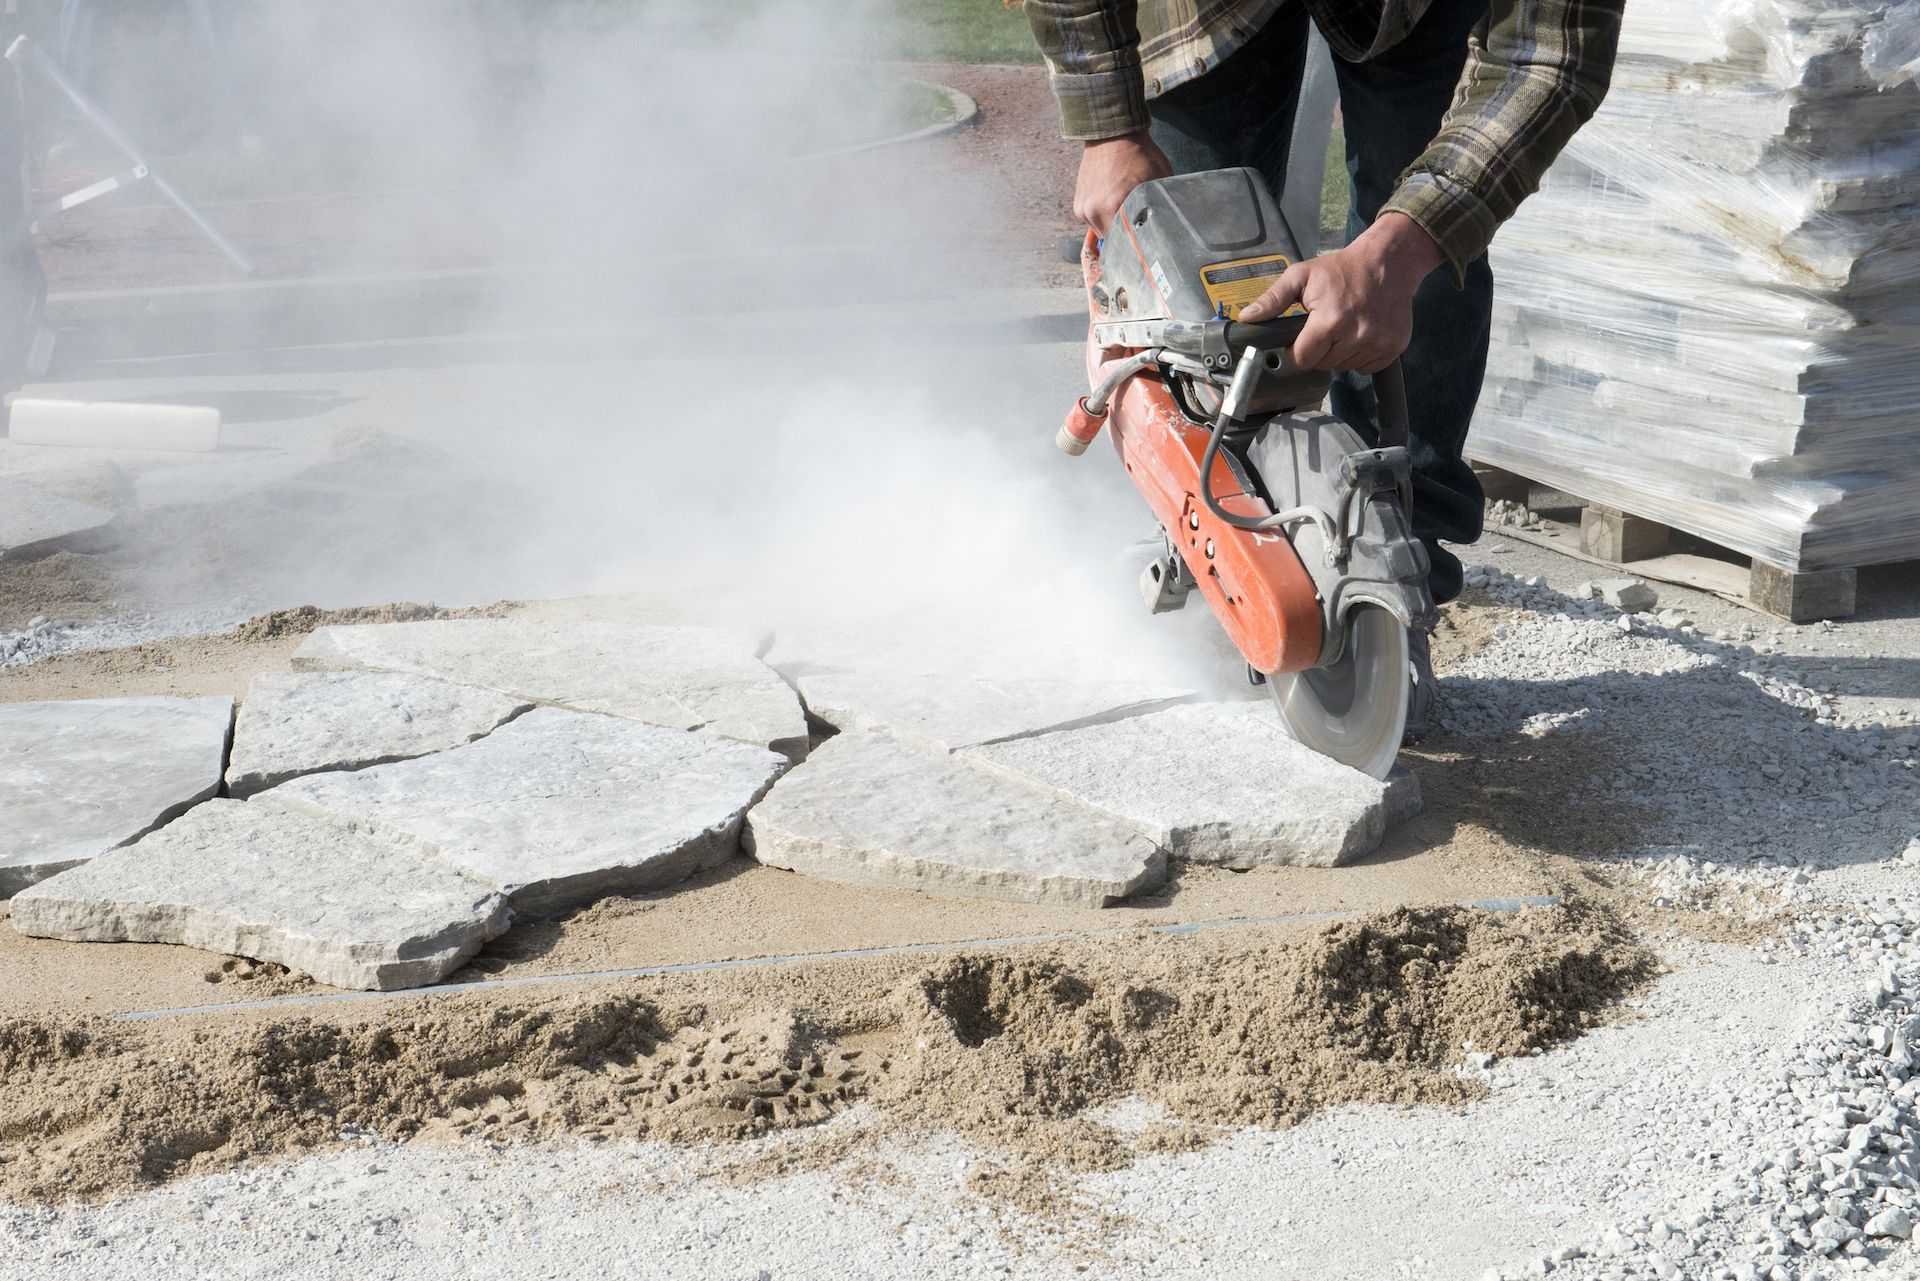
<point>1519,801</point>
<point>1723,1007</point>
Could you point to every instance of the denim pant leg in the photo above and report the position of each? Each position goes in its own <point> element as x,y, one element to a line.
<point>1392,107</point>
<point>1241,112</point>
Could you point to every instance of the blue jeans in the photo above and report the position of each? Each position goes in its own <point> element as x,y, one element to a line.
<point>1241,113</point>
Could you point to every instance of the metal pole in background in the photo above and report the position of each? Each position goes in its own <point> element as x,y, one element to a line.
<point>23,51</point>
<point>1307,156</point>
<point>24,341</point>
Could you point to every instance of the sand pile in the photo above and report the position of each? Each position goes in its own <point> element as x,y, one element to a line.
<point>1020,1049</point>
<point>68,585</point>
<point>1010,1049</point>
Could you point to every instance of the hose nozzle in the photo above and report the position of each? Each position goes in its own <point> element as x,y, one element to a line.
<point>1080,429</point>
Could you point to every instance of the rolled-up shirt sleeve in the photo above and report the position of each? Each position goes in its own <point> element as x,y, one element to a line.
<point>1092,48</point>
<point>1536,71</point>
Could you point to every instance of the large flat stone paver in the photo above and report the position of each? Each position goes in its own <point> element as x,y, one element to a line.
<point>350,907</point>
<point>82,777</point>
<point>30,515</point>
<point>706,678</point>
<point>949,712</point>
<point>306,722</point>
<point>558,808</point>
<point>215,478</point>
<point>1217,783</point>
<point>868,810</point>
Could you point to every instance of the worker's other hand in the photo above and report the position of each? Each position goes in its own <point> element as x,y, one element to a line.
<point>1111,168</point>
<point>1359,300</point>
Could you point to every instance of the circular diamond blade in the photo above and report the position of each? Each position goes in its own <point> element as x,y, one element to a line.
<point>1355,710</point>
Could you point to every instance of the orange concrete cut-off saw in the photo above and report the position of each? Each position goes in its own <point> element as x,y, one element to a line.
<point>1294,530</point>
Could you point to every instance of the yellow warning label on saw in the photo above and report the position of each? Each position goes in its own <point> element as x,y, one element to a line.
<point>1235,284</point>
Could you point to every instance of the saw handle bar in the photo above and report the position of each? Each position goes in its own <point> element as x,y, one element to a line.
<point>1203,348</point>
<point>1265,335</point>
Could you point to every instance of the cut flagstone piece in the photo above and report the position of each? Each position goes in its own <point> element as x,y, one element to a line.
<point>1403,800</point>
<point>306,722</point>
<point>706,678</point>
<point>558,808</point>
<point>948,713</point>
<point>352,908</point>
<point>1216,783</point>
<point>29,515</point>
<point>868,810</point>
<point>80,778</point>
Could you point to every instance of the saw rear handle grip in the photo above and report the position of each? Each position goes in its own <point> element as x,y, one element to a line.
<point>1267,335</point>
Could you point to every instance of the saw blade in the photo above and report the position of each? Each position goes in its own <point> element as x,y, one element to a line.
<point>1356,709</point>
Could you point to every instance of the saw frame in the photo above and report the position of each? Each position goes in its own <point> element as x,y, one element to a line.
<point>1292,528</point>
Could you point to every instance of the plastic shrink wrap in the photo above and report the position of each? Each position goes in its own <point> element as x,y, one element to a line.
<point>1709,314</point>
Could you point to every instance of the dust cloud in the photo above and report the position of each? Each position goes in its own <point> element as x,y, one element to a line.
<point>724,361</point>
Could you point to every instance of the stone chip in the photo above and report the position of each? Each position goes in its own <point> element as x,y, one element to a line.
<point>1892,1222</point>
<point>1628,595</point>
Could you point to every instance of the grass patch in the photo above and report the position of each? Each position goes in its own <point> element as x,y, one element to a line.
<point>329,161</point>
<point>916,30</point>
<point>916,105</point>
<point>960,31</point>
<point>1334,193</point>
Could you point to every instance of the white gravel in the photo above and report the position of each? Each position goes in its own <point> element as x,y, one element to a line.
<point>44,637</point>
<point>1719,741</point>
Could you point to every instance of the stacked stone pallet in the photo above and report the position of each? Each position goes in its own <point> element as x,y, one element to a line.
<point>1707,316</point>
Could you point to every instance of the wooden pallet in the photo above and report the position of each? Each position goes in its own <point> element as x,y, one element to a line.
<point>1648,549</point>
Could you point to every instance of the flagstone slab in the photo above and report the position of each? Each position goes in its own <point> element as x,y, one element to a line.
<point>1216,783</point>
<point>216,478</point>
<point>915,642</point>
<point>866,809</point>
<point>704,678</point>
<point>30,515</point>
<point>294,723</point>
<point>352,908</point>
<point>948,713</point>
<point>81,777</point>
<point>558,808</point>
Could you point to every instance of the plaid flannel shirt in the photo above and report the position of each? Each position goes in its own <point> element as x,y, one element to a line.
<point>1536,71</point>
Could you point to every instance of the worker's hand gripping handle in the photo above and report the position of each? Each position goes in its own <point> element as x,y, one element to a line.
<point>1080,429</point>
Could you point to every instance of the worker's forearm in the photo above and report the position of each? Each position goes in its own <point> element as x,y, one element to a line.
<point>1532,79</point>
<point>1401,248</point>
